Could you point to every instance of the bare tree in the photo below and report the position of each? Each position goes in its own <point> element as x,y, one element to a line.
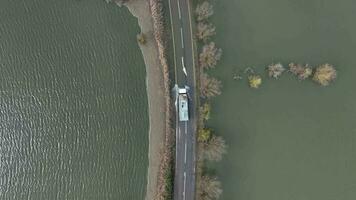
<point>209,56</point>
<point>210,188</point>
<point>209,86</point>
<point>205,31</point>
<point>204,11</point>
<point>214,148</point>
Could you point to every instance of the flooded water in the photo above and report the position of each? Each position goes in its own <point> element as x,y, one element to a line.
<point>73,122</point>
<point>289,139</point>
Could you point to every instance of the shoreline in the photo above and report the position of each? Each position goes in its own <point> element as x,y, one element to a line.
<point>156,95</point>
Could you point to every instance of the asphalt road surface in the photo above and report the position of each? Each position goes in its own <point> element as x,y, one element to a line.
<point>184,182</point>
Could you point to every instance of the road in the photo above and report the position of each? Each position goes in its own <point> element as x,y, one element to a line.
<point>182,38</point>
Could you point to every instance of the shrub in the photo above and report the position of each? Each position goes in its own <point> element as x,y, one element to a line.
<point>324,74</point>
<point>209,56</point>
<point>214,148</point>
<point>209,87</point>
<point>205,31</point>
<point>302,72</point>
<point>141,38</point>
<point>254,81</point>
<point>204,135</point>
<point>204,11</point>
<point>275,70</point>
<point>205,111</point>
<point>210,188</point>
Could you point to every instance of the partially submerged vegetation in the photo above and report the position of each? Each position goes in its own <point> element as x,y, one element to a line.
<point>203,11</point>
<point>324,74</point>
<point>205,31</point>
<point>210,188</point>
<point>209,86</point>
<point>254,81</point>
<point>211,147</point>
<point>209,56</point>
<point>302,72</point>
<point>275,70</point>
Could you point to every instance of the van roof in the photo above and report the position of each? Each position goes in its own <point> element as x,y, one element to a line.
<point>182,91</point>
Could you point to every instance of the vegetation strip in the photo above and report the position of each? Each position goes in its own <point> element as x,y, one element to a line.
<point>165,178</point>
<point>324,74</point>
<point>210,146</point>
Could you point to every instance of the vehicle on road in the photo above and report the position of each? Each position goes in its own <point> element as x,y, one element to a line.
<point>183,104</point>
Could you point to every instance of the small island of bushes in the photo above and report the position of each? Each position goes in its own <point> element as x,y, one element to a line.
<point>324,74</point>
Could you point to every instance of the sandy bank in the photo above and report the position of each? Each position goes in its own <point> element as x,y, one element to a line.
<point>155,92</point>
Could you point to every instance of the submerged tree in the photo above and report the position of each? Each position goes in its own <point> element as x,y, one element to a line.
<point>204,11</point>
<point>209,56</point>
<point>275,70</point>
<point>205,31</point>
<point>204,135</point>
<point>210,188</point>
<point>324,74</point>
<point>254,81</point>
<point>302,72</point>
<point>209,86</point>
<point>214,148</point>
<point>205,111</point>
<point>204,114</point>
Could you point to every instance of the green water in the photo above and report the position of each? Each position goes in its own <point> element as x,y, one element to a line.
<point>73,105</point>
<point>289,139</point>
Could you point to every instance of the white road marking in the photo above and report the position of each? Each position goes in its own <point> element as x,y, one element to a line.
<point>181,37</point>
<point>185,179</point>
<point>184,70</point>
<point>185,152</point>
<point>178,133</point>
<point>180,15</point>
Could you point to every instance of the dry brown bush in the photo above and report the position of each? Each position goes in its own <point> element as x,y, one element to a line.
<point>205,31</point>
<point>209,86</point>
<point>324,74</point>
<point>214,149</point>
<point>209,188</point>
<point>209,56</point>
<point>204,11</point>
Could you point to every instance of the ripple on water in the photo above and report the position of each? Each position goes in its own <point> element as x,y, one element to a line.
<point>72,102</point>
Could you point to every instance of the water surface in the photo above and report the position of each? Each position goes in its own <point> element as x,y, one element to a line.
<point>289,139</point>
<point>73,122</point>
